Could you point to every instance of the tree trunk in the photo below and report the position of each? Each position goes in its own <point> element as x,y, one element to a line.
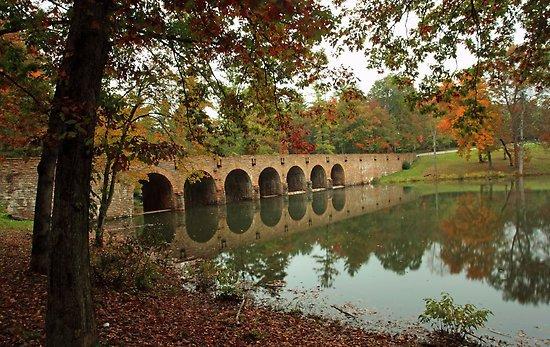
<point>106,199</point>
<point>479,156</point>
<point>43,202</point>
<point>507,152</point>
<point>520,140</point>
<point>70,316</point>
<point>490,160</point>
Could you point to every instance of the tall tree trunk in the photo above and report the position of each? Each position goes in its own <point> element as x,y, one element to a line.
<point>520,140</point>
<point>44,198</point>
<point>107,192</point>
<point>70,316</point>
<point>490,160</point>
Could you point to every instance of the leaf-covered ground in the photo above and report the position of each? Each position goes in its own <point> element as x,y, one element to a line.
<point>166,316</point>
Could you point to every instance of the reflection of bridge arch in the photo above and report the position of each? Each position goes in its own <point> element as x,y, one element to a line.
<point>200,190</point>
<point>295,179</point>
<point>269,182</point>
<point>319,202</point>
<point>271,211</point>
<point>157,193</point>
<point>318,177</point>
<point>240,216</point>
<point>158,229</point>
<point>238,186</point>
<point>297,206</point>
<point>202,223</point>
<point>339,199</point>
<point>337,175</point>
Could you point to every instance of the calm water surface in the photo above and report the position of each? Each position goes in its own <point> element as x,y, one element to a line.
<point>378,251</point>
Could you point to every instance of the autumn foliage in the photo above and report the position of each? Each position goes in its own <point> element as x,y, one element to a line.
<point>469,117</point>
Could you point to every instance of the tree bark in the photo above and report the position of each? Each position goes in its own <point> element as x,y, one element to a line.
<point>44,198</point>
<point>107,192</point>
<point>507,152</point>
<point>70,317</point>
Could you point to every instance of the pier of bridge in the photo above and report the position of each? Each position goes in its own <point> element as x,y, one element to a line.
<point>210,180</point>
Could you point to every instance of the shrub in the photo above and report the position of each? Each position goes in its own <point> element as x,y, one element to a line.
<point>453,319</point>
<point>222,281</point>
<point>405,165</point>
<point>125,265</point>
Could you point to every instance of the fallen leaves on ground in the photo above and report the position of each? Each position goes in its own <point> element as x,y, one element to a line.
<point>167,316</point>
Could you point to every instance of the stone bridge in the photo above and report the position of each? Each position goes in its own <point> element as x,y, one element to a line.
<point>218,180</point>
<point>215,180</point>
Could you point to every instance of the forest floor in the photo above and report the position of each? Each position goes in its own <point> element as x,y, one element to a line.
<point>169,315</point>
<point>451,166</point>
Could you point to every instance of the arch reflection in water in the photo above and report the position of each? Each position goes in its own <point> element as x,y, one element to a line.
<point>297,206</point>
<point>202,222</point>
<point>271,210</point>
<point>240,216</point>
<point>339,199</point>
<point>319,202</point>
<point>158,229</point>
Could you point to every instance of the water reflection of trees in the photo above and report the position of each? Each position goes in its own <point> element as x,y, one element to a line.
<point>501,237</point>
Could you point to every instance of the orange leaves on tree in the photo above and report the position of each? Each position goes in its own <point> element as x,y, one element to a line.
<point>471,119</point>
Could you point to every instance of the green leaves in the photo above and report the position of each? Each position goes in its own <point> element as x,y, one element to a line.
<point>453,319</point>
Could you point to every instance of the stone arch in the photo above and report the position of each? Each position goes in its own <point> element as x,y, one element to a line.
<point>296,179</point>
<point>319,202</point>
<point>199,190</point>
<point>297,206</point>
<point>337,175</point>
<point>318,177</point>
<point>238,186</point>
<point>269,182</point>
<point>157,193</point>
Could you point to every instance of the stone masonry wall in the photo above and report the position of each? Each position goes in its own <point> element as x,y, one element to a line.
<point>18,179</point>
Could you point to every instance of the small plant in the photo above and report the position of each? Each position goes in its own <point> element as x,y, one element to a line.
<point>125,265</point>
<point>406,165</point>
<point>229,284</point>
<point>222,281</point>
<point>453,319</point>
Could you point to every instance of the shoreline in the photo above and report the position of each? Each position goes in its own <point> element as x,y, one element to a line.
<point>169,315</point>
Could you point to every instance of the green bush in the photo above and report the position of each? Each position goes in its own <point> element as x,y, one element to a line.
<point>453,319</point>
<point>126,266</point>
<point>222,281</point>
<point>405,165</point>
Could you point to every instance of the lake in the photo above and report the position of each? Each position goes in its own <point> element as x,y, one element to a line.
<point>375,252</point>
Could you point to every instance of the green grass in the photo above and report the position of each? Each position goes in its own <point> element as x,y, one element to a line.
<point>451,166</point>
<point>7,223</point>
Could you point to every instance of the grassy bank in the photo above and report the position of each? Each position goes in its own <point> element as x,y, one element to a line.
<point>8,223</point>
<point>451,166</point>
